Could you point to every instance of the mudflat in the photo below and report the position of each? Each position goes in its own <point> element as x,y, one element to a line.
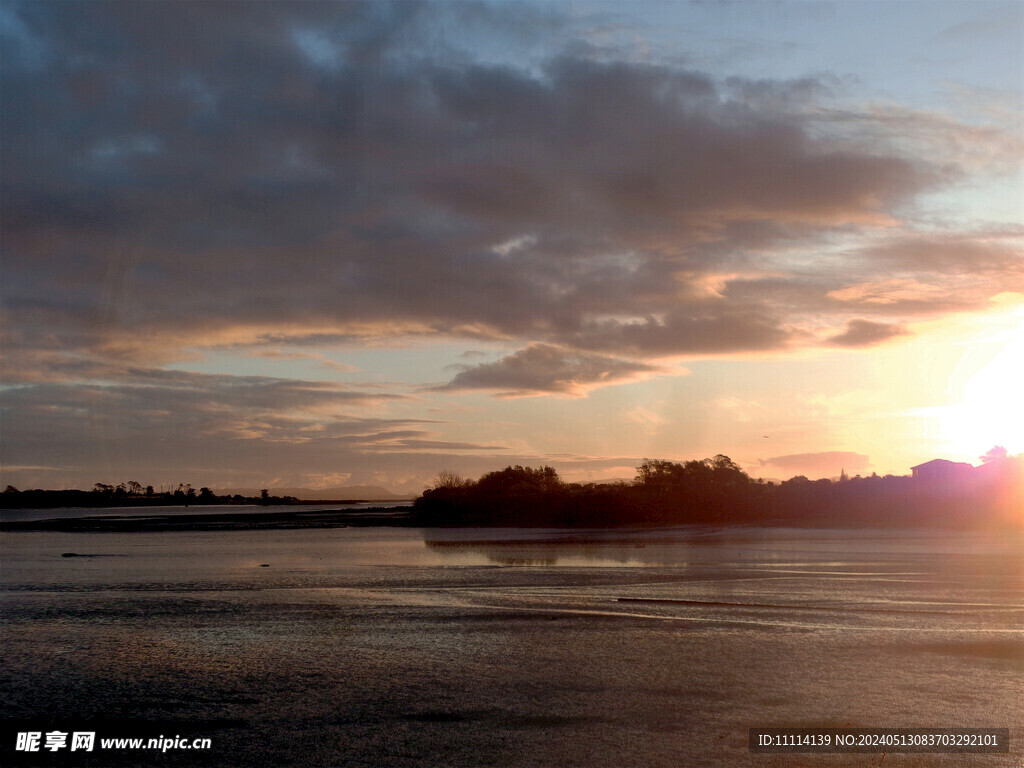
<point>410,647</point>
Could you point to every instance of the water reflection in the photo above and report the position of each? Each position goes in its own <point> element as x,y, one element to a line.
<point>549,548</point>
<point>316,557</point>
<point>785,549</point>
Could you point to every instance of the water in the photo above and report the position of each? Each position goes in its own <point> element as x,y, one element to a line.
<point>400,647</point>
<point>178,510</point>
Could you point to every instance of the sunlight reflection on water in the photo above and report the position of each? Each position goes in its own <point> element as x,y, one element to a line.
<point>391,646</point>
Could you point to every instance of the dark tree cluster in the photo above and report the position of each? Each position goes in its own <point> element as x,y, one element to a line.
<point>129,494</point>
<point>716,491</point>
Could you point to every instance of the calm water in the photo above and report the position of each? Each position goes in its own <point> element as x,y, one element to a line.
<point>399,647</point>
<point>178,510</point>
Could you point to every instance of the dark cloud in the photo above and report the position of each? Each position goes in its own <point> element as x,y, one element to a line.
<point>863,333</point>
<point>702,331</point>
<point>544,369</point>
<point>164,427</point>
<point>140,402</point>
<point>993,252</point>
<point>205,173</point>
<point>151,422</point>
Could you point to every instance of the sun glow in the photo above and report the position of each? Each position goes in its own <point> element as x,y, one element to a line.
<point>990,411</point>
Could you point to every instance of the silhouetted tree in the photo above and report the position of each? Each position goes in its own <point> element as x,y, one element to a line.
<point>997,453</point>
<point>448,479</point>
<point>518,481</point>
<point>659,475</point>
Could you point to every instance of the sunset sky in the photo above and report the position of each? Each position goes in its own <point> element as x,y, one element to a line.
<point>313,244</point>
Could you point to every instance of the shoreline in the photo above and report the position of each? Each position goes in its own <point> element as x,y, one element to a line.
<point>406,517</point>
<point>373,516</point>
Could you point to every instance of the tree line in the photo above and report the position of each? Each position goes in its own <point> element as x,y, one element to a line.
<point>129,494</point>
<point>716,491</point>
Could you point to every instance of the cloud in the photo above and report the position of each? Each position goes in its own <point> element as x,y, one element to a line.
<point>995,252</point>
<point>309,171</point>
<point>163,427</point>
<point>863,333</point>
<point>645,417</point>
<point>890,277</point>
<point>704,330</point>
<point>411,444</point>
<point>994,21</point>
<point>544,369</point>
<point>320,360</point>
<point>890,291</point>
<point>821,464</point>
<point>160,424</point>
<point>154,403</point>
<point>281,178</point>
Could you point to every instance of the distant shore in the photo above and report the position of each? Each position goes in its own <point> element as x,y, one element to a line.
<point>714,491</point>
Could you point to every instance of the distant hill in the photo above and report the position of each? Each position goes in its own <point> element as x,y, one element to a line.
<point>338,493</point>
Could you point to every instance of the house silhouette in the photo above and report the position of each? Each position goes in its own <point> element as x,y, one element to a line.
<point>942,471</point>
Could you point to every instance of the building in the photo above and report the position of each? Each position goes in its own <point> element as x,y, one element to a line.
<point>942,471</point>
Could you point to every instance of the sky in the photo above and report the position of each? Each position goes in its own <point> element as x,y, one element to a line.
<point>304,244</point>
